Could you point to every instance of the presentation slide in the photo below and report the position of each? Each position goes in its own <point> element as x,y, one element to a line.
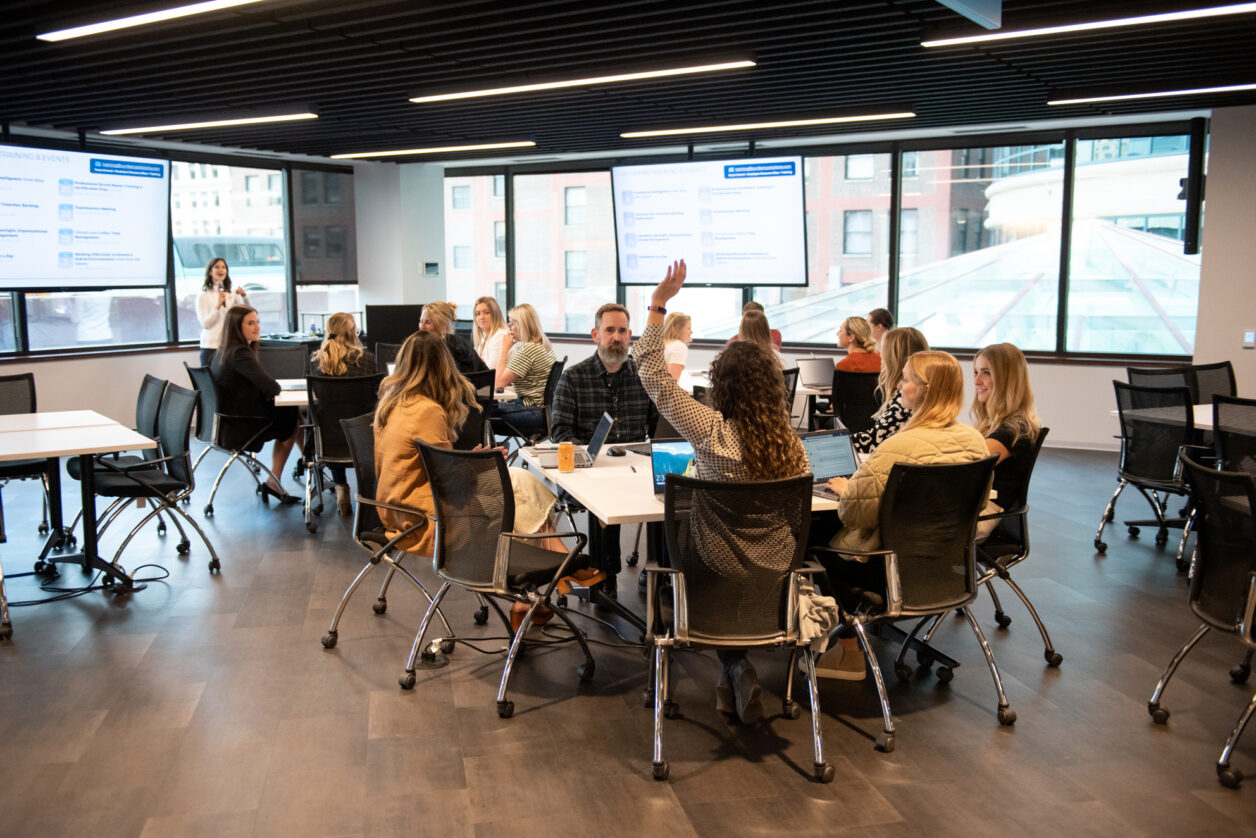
<point>75,220</point>
<point>734,222</point>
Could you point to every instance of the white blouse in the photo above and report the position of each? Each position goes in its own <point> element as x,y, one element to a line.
<point>675,352</point>
<point>490,351</point>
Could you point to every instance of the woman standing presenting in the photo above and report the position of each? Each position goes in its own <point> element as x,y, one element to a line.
<point>216,297</point>
<point>245,389</point>
<point>744,435</point>
<point>489,330</point>
<point>855,336</point>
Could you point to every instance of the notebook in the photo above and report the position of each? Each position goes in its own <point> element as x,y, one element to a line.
<point>672,457</point>
<point>816,373</point>
<point>831,454</point>
<point>585,455</point>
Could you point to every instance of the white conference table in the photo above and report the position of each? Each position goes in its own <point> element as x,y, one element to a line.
<point>71,433</point>
<point>294,393</point>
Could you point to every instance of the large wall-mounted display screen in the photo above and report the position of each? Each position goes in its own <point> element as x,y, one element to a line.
<point>734,222</point>
<point>81,220</point>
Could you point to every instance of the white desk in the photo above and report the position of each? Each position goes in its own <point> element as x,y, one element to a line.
<point>300,397</point>
<point>50,436</point>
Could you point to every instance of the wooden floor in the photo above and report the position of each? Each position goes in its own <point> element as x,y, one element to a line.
<point>206,705</point>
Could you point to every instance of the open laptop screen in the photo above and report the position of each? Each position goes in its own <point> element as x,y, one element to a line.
<point>670,458</point>
<point>831,454</point>
<point>600,433</point>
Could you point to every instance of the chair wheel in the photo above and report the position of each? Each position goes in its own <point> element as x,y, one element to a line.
<point>1162,538</point>
<point>311,527</point>
<point>329,640</point>
<point>379,606</point>
<point>183,547</point>
<point>481,615</point>
<point>1182,565</point>
<point>825,772</point>
<point>1159,715</point>
<point>671,710</point>
<point>43,529</point>
<point>70,542</point>
<point>647,698</point>
<point>903,671</point>
<point>407,682</point>
<point>660,770</point>
<point>1007,716</point>
<point>924,659</point>
<point>209,510</point>
<point>1238,674</point>
<point>446,646</point>
<point>1053,657</point>
<point>945,674</point>
<point>586,670</point>
<point>1101,546</point>
<point>1002,619</point>
<point>885,742</point>
<point>1229,777</point>
<point>214,565</point>
<point>505,709</point>
<point>161,528</point>
<point>791,710</point>
<point>318,510</point>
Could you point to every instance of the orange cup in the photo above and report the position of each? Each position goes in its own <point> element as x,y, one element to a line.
<point>566,457</point>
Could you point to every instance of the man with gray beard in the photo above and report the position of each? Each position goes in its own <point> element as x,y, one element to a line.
<point>606,382</point>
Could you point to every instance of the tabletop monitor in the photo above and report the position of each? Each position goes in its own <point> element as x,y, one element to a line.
<point>670,458</point>
<point>830,453</point>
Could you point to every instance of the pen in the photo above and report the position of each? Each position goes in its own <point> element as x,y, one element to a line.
<point>634,469</point>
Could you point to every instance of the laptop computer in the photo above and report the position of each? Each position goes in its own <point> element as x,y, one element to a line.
<point>585,454</point>
<point>816,373</point>
<point>831,454</point>
<point>670,457</point>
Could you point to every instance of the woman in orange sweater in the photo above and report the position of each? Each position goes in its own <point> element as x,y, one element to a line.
<point>855,336</point>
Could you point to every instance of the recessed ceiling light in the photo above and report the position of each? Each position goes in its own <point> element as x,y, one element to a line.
<point>141,20</point>
<point>406,152</point>
<point>555,85</point>
<point>754,126</point>
<point>1159,94</point>
<point>1140,20</point>
<point>216,123</point>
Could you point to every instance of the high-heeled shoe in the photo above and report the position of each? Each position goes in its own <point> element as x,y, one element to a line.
<point>281,496</point>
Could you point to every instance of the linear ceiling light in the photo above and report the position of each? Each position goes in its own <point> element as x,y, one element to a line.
<point>1159,94</point>
<point>754,126</point>
<point>406,152</point>
<point>141,20</point>
<point>555,85</point>
<point>1167,17</point>
<point>217,123</point>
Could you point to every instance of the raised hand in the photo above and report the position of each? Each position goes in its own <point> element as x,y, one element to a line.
<point>671,284</point>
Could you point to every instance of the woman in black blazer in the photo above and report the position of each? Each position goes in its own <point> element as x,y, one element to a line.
<point>245,389</point>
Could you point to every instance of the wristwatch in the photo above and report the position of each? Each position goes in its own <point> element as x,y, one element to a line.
<point>659,309</point>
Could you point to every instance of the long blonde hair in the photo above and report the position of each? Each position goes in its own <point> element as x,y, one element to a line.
<point>498,322</point>
<point>943,381</point>
<point>1011,400</point>
<point>341,347</point>
<point>748,388</point>
<point>530,330</point>
<point>674,325</point>
<point>897,345</point>
<point>441,315</point>
<point>860,332</point>
<point>426,368</point>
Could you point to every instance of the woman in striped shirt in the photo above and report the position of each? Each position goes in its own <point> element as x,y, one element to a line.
<point>524,363</point>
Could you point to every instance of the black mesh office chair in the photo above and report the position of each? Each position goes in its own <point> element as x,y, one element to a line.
<point>284,361</point>
<point>1213,380</point>
<point>368,530</point>
<point>1234,441</point>
<point>928,521</point>
<point>1179,376</point>
<point>385,354</point>
<point>853,400</point>
<point>237,436</point>
<point>476,549</point>
<point>1222,581</point>
<point>736,550</point>
<point>164,480</point>
<point>333,398</point>
<point>17,395</point>
<point>483,381</point>
<point>791,388</point>
<point>1155,423</point>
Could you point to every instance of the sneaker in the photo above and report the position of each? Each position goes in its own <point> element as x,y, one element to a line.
<point>746,692</point>
<point>835,663</point>
<point>724,697</point>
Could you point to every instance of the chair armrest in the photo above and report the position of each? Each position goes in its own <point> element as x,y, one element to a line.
<point>655,567</point>
<point>144,466</point>
<point>502,564</point>
<point>893,589</point>
<point>1018,512</point>
<point>809,568</point>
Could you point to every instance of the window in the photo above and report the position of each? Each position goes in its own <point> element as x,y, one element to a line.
<point>460,197</point>
<point>64,320</point>
<point>335,260</point>
<point>575,205</point>
<point>578,323</point>
<point>857,232</point>
<point>542,237</point>
<point>252,183</point>
<point>911,164</point>
<point>8,335</point>
<point>499,186</point>
<point>335,238</point>
<point>575,268</point>
<point>483,227</point>
<point>309,188</point>
<point>860,166</point>
<point>462,257</point>
<point>908,220</point>
<point>331,187</point>
<point>499,239</point>
<point>274,182</point>
<point>312,242</point>
<point>1131,289</point>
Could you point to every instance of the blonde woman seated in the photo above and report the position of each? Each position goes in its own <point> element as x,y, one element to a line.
<point>1003,412</point>
<point>677,334</point>
<point>855,336</point>
<point>932,387</point>
<point>897,346</point>
<point>488,330</point>
<point>754,329</point>
<point>342,354</point>
<point>439,318</point>
<point>525,361</point>
<point>427,398</point>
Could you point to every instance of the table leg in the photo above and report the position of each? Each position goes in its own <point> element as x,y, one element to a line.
<point>57,536</point>
<point>89,558</point>
<point>598,595</point>
<point>6,627</point>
